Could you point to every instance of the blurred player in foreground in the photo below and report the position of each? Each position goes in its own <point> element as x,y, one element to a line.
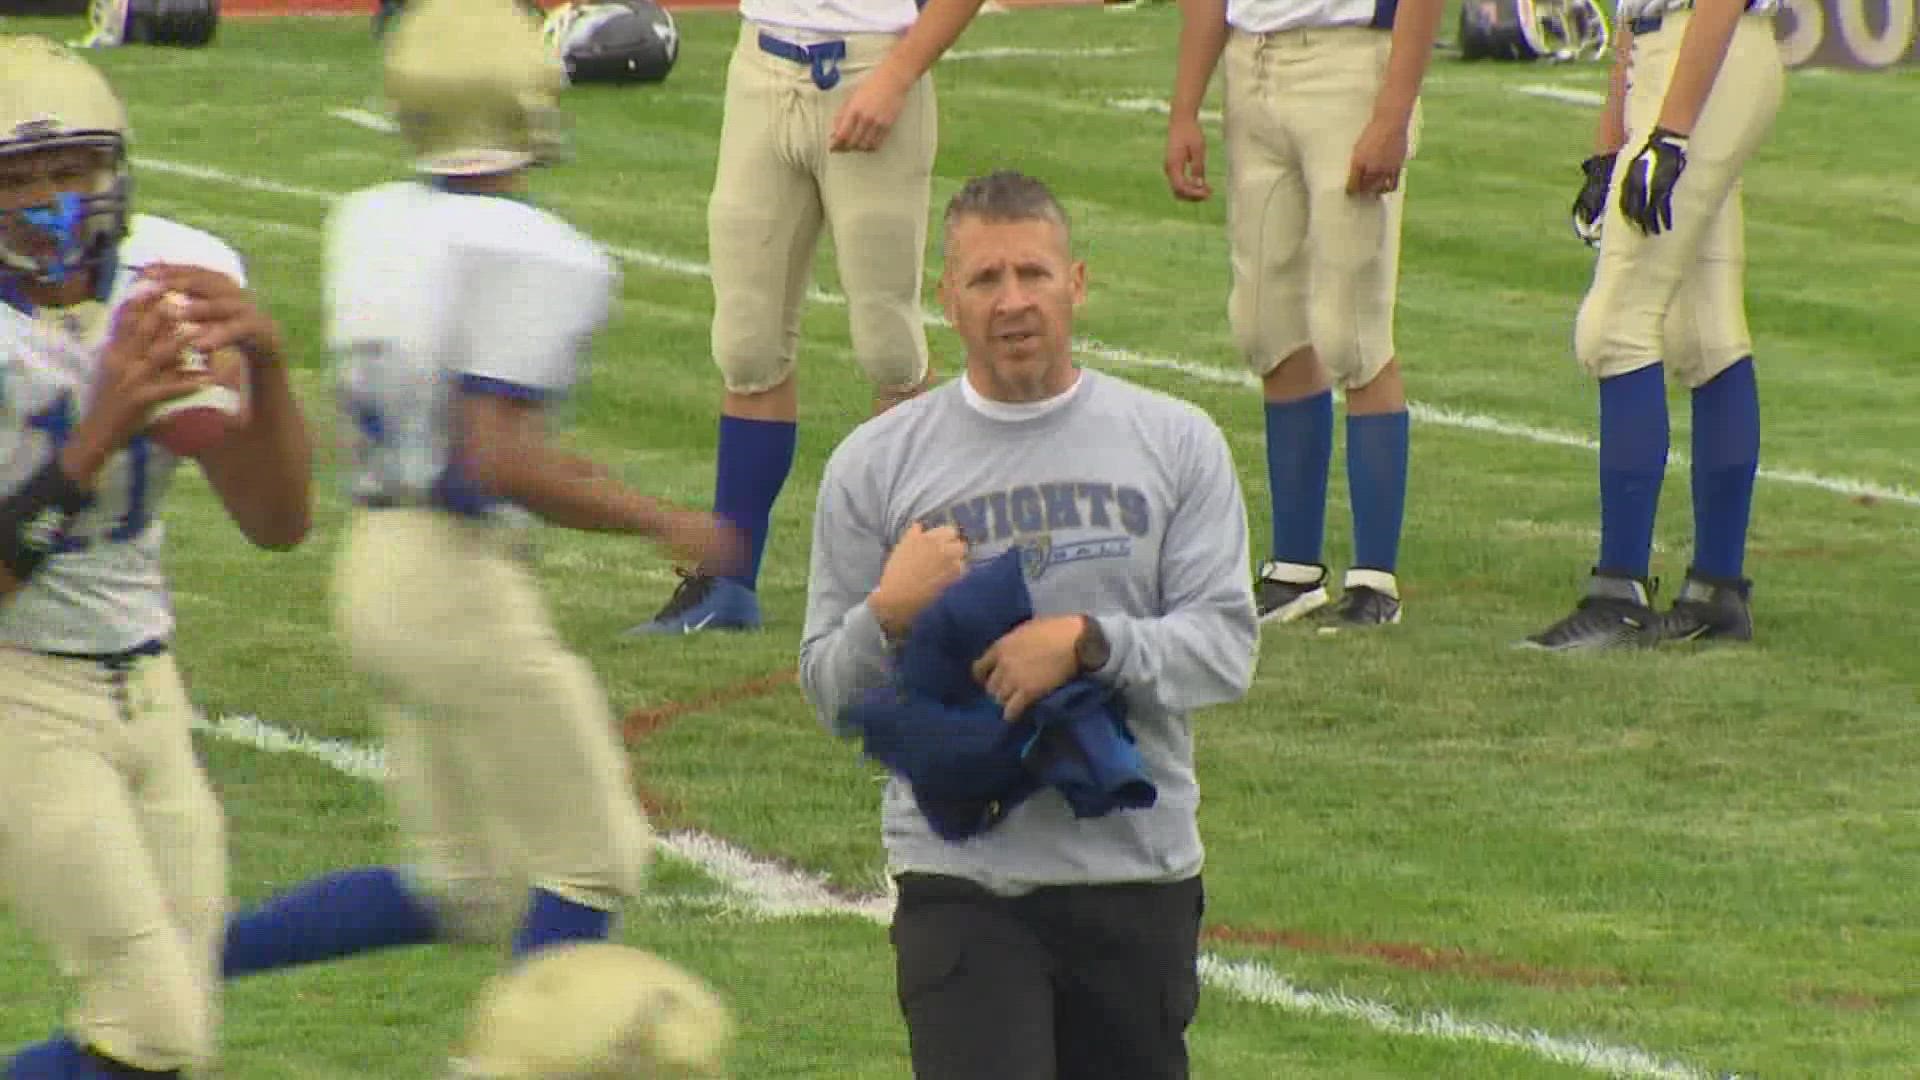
<point>461,314</point>
<point>112,846</point>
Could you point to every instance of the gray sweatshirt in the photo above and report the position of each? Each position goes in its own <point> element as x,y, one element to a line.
<point>1129,509</point>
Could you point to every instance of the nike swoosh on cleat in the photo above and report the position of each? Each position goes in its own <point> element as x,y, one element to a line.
<point>689,628</point>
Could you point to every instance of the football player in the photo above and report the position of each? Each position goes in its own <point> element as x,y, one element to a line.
<point>830,121</point>
<point>460,315</point>
<point>1694,94</point>
<point>1321,117</point>
<point>112,847</point>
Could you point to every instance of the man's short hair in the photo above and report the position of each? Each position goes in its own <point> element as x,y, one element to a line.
<point>1005,195</point>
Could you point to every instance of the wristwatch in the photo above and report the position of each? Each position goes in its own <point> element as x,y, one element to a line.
<point>1091,649</point>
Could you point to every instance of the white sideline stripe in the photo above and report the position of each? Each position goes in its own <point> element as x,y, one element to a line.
<point>1567,94</point>
<point>1156,106</point>
<point>771,890</point>
<point>1439,416</point>
<point>372,121</point>
<point>1018,53</point>
<point>1259,983</point>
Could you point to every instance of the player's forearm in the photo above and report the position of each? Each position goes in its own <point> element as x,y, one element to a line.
<point>35,514</point>
<point>1203,36</point>
<point>938,26</point>
<point>1610,135</point>
<point>264,472</point>
<point>1703,47</point>
<point>1415,24</point>
<point>565,490</point>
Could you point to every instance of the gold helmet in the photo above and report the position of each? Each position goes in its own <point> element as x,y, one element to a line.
<point>51,98</point>
<point>474,90</point>
<point>595,1011</point>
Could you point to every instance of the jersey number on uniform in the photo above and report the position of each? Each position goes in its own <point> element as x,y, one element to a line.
<point>57,421</point>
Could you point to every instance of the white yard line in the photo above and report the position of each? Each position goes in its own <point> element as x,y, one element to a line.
<point>1157,107</point>
<point>365,118</point>
<point>1562,93</point>
<point>1436,415</point>
<point>769,890</point>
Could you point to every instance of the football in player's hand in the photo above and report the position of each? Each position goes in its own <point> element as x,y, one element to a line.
<point>198,422</point>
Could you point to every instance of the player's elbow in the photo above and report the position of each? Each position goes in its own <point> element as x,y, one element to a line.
<point>284,534</point>
<point>500,446</point>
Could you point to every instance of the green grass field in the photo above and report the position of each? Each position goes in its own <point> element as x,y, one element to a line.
<point>1429,855</point>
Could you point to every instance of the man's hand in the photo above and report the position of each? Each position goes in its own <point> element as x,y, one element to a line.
<point>1031,661</point>
<point>1590,206</point>
<point>1186,160</point>
<point>868,115</point>
<point>1378,156</point>
<point>918,570</point>
<point>139,368</point>
<point>219,311</point>
<point>1646,195</point>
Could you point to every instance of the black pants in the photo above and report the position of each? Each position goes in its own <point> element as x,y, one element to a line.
<point>1065,983</point>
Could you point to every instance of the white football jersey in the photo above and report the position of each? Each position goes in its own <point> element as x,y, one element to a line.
<point>824,18</point>
<point>104,589</point>
<point>1269,16</point>
<point>432,294</point>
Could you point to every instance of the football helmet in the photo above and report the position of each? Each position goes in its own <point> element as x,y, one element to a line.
<point>595,1011</point>
<point>613,41</point>
<point>473,88</point>
<point>1552,30</point>
<point>51,97</point>
<point>151,22</point>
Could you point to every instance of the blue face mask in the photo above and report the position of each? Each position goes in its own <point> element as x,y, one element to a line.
<point>61,222</point>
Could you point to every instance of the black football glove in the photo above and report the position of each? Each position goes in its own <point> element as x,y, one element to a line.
<point>1646,196</point>
<point>1590,207</point>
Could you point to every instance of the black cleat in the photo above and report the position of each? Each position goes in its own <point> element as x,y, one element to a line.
<point>1367,598</point>
<point>1710,608</point>
<point>1285,592</point>
<point>1617,612</point>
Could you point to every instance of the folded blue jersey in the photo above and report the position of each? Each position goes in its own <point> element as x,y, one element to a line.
<point>935,726</point>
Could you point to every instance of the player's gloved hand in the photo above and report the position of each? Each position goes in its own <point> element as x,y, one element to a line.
<point>1646,196</point>
<point>1590,206</point>
<point>919,569</point>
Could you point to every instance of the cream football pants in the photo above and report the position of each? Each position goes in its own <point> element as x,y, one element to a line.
<point>504,768</point>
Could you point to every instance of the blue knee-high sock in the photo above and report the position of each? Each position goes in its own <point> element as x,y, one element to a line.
<point>339,914</point>
<point>553,919</point>
<point>752,465</point>
<point>1377,487</point>
<point>1726,457</point>
<point>1299,453</point>
<point>55,1059</point>
<point>1633,462</point>
<point>60,1058</point>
